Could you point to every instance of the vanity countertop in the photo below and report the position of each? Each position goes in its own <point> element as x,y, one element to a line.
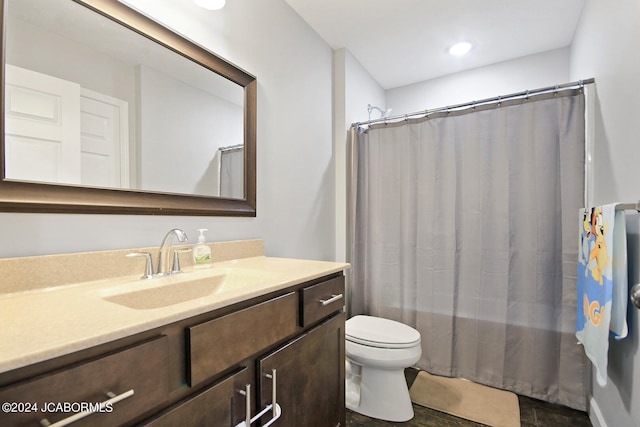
<point>41,324</point>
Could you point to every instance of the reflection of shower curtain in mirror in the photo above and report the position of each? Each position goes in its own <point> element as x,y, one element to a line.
<point>232,173</point>
<point>465,230</point>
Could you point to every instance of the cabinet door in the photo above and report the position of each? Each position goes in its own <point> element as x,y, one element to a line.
<point>222,404</point>
<point>310,377</point>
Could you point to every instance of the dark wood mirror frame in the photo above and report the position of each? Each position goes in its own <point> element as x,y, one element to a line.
<point>18,196</point>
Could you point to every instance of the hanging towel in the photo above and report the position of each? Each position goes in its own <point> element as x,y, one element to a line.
<point>602,283</point>
<point>620,295</point>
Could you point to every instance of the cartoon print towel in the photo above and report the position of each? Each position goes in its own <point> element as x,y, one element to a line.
<point>602,283</point>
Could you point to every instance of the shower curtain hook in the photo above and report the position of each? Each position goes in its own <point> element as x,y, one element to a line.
<point>499,100</point>
<point>527,95</point>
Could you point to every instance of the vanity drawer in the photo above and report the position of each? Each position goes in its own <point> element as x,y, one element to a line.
<point>142,369</point>
<point>321,300</point>
<point>218,344</point>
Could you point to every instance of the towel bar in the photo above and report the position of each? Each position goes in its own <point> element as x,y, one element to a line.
<point>635,295</point>
<point>628,206</point>
<point>635,290</point>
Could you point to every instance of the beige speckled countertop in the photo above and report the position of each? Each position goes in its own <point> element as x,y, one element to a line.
<point>39,324</point>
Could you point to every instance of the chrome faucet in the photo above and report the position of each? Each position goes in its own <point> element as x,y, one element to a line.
<point>165,250</point>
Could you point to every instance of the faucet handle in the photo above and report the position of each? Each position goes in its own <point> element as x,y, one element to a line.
<point>176,260</point>
<point>148,271</point>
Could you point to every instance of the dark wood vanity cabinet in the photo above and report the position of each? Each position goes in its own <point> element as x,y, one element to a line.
<point>295,339</point>
<point>215,369</point>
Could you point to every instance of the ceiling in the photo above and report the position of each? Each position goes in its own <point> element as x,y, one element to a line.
<point>406,41</point>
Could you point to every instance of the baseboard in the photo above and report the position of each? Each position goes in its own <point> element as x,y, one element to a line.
<point>595,415</point>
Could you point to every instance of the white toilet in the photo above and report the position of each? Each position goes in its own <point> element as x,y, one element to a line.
<point>378,350</point>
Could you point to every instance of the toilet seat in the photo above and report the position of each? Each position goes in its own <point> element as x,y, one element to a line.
<point>380,333</point>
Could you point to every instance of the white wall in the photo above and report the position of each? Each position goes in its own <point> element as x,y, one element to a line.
<point>354,89</point>
<point>295,194</point>
<point>529,72</point>
<point>176,153</point>
<point>606,47</point>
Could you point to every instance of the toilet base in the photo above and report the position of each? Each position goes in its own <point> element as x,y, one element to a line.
<point>383,394</point>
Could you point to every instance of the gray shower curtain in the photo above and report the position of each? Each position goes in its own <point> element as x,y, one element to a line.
<point>232,173</point>
<point>464,226</point>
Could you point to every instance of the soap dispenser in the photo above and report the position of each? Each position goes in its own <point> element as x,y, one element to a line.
<point>201,252</point>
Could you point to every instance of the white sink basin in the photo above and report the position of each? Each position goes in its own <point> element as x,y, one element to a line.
<point>170,290</point>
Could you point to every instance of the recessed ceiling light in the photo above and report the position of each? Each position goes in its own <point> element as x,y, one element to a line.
<point>460,48</point>
<point>210,4</point>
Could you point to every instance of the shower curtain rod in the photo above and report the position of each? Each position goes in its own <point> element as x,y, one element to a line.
<point>527,93</point>
<point>232,147</point>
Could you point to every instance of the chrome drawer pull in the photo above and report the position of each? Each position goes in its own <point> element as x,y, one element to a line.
<point>332,299</point>
<point>80,415</point>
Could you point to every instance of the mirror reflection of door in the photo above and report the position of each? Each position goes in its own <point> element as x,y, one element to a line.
<point>104,140</point>
<point>58,132</point>
<point>42,130</point>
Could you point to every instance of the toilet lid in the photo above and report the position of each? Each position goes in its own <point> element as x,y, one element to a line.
<point>378,332</point>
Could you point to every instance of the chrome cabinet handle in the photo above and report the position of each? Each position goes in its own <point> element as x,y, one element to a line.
<point>273,379</point>
<point>80,415</point>
<point>274,407</point>
<point>332,299</point>
<point>276,410</point>
<point>247,411</point>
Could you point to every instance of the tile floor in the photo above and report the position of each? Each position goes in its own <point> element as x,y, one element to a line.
<point>533,413</point>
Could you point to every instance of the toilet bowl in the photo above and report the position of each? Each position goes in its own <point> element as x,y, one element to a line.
<point>378,351</point>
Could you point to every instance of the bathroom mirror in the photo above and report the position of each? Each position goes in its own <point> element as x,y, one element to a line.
<point>107,111</point>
